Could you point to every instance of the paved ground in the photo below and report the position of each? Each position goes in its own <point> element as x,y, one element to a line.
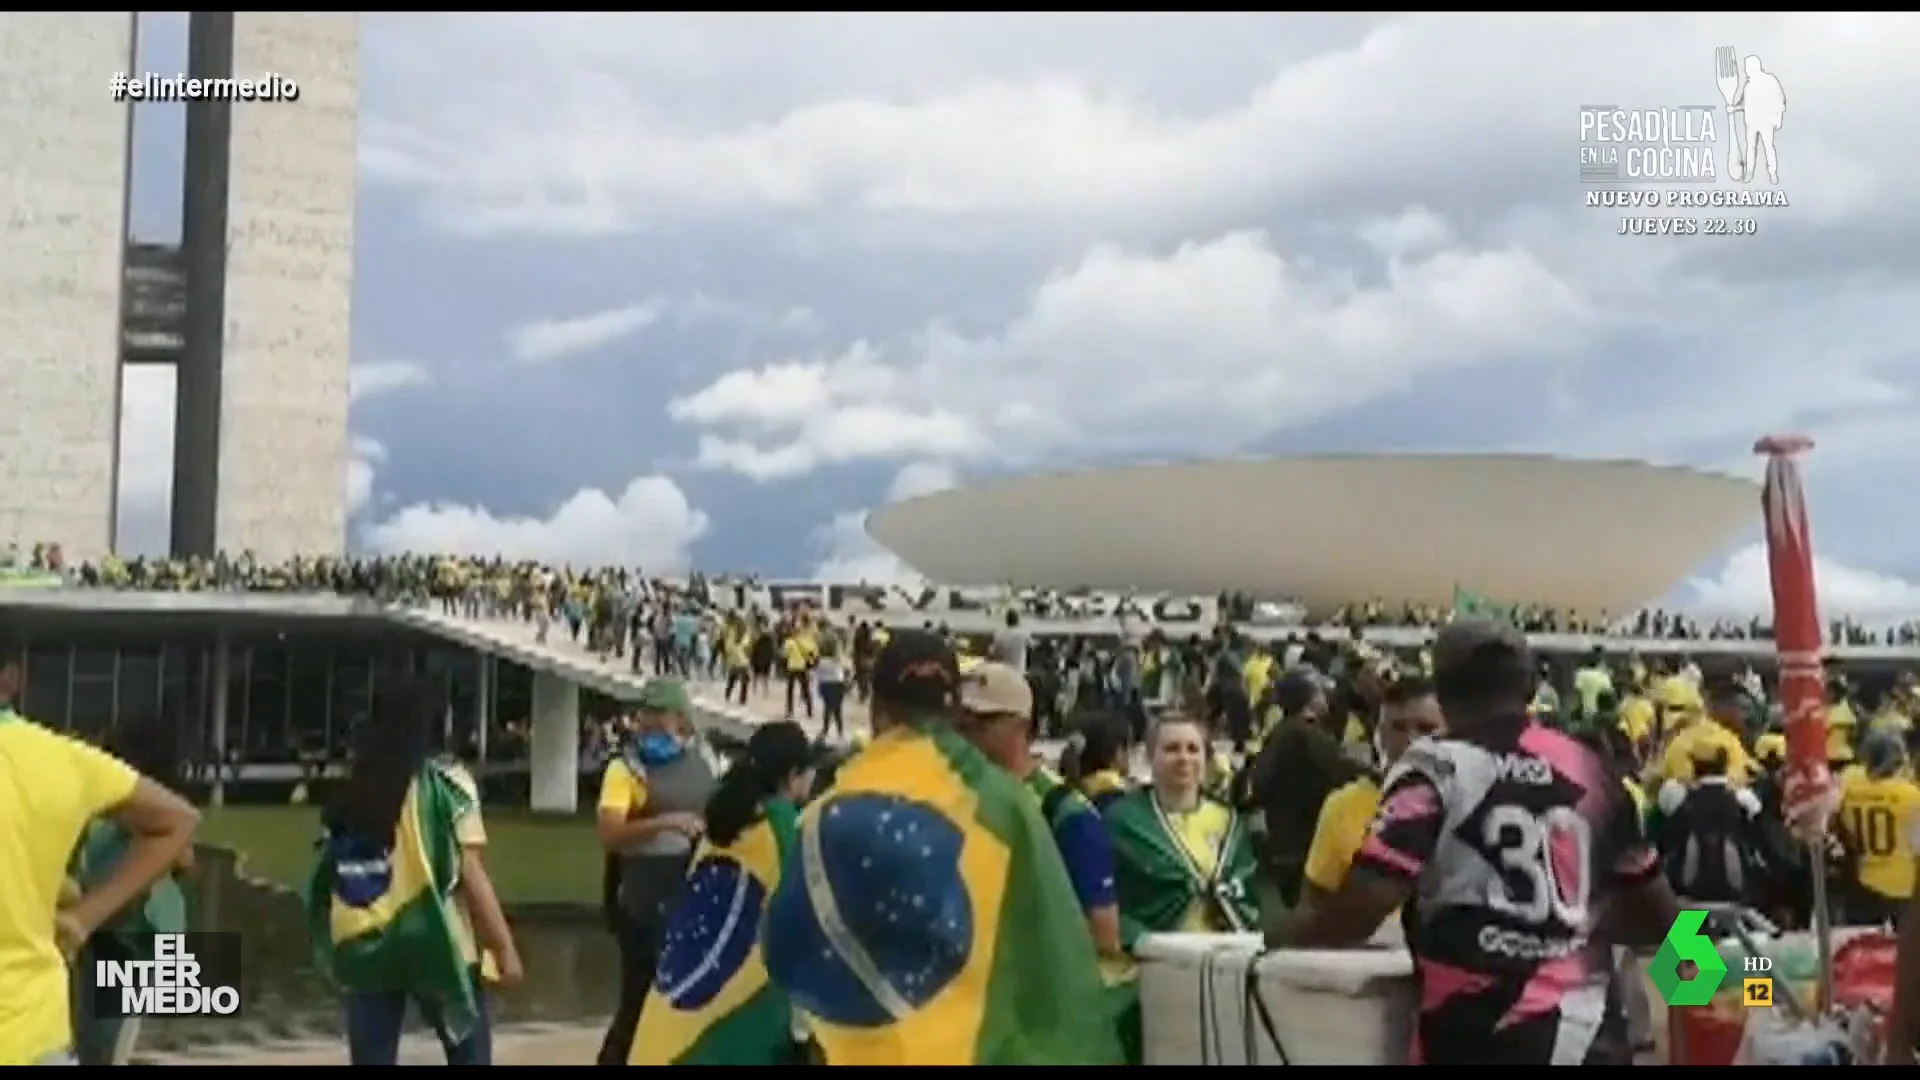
<point>574,1044</point>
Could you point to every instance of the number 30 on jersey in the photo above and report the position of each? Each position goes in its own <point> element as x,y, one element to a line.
<point>1544,861</point>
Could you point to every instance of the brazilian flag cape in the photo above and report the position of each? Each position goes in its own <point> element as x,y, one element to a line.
<point>1063,807</point>
<point>927,918</point>
<point>377,907</point>
<point>1158,880</point>
<point>711,1002</point>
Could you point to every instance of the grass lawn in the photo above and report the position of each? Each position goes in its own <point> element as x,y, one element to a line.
<point>534,858</point>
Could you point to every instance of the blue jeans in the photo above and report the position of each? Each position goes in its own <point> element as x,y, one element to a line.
<point>375,1020</point>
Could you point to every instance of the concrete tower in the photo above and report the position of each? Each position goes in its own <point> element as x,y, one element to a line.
<point>252,306</point>
<point>63,177</point>
<point>260,458</point>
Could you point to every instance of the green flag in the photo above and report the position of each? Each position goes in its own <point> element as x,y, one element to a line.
<point>1474,606</point>
<point>930,920</point>
<point>1158,880</point>
<point>377,908</point>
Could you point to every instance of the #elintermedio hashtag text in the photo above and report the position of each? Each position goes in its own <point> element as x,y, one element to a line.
<point>272,86</point>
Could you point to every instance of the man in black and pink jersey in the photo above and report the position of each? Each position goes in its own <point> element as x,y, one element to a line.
<point>1523,861</point>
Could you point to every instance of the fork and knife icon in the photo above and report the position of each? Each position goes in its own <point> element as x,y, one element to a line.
<point>1726,68</point>
<point>1756,106</point>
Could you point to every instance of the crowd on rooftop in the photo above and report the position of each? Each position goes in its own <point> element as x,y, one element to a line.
<point>497,585</point>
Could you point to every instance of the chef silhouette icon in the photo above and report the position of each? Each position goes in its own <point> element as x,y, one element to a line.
<point>1756,97</point>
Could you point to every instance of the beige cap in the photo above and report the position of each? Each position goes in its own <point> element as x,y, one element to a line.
<point>996,690</point>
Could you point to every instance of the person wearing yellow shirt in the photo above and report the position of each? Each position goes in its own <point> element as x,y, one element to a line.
<point>1183,861</point>
<point>653,796</point>
<point>51,787</point>
<point>736,653</point>
<point>1843,724</point>
<point>1589,682</point>
<point>1770,750</point>
<point>1696,736</point>
<point>1891,719</point>
<point>1408,712</point>
<point>1636,720</point>
<point>797,653</point>
<point>1256,675</point>
<point>1879,813</point>
<point>1677,704</point>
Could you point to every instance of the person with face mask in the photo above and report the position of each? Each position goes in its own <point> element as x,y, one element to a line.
<point>652,798</point>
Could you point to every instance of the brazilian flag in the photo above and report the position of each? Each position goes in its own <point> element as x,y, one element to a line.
<point>929,920</point>
<point>711,1003</point>
<point>377,907</point>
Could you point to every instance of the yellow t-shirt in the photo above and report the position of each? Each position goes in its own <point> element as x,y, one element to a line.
<point>1588,684</point>
<point>621,792</point>
<point>798,651</point>
<point>1879,817</point>
<point>471,832</point>
<point>1638,795</point>
<point>1200,833</point>
<point>1342,828</point>
<point>1636,719</point>
<point>50,788</point>
<point>1677,764</point>
<point>1890,722</point>
<point>738,651</point>
<point>1257,675</point>
<point>1355,733</point>
<point>1770,746</point>
<point>1840,729</point>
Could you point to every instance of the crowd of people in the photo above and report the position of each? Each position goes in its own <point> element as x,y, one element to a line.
<point>587,599</point>
<point>938,893</point>
<point>1374,784</point>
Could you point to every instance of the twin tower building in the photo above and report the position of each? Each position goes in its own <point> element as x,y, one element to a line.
<point>250,306</point>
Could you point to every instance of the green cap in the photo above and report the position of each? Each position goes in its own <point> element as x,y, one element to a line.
<point>665,695</point>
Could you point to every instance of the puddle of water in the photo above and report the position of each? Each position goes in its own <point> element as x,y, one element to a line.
<point>572,966</point>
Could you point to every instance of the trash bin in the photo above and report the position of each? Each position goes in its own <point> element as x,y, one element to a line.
<point>1706,1034</point>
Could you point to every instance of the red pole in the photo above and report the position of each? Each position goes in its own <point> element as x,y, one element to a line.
<point>1807,796</point>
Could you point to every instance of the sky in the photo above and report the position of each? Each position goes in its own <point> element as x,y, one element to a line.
<point>684,290</point>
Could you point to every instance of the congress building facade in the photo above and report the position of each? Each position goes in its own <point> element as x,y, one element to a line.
<point>251,305</point>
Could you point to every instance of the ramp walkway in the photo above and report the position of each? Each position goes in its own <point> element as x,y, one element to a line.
<point>613,676</point>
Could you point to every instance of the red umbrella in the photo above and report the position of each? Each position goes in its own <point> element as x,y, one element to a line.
<point>1807,797</point>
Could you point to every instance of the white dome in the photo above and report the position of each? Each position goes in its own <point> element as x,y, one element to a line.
<point>1588,536</point>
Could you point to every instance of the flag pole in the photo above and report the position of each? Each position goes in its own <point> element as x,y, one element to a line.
<point>1808,797</point>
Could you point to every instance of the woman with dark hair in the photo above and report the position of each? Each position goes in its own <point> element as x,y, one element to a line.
<point>1096,761</point>
<point>401,907</point>
<point>711,1003</point>
<point>152,747</point>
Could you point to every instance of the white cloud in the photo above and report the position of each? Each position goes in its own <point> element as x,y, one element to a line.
<point>146,449</point>
<point>572,140</point>
<point>385,377</point>
<point>849,554</point>
<point>922,478</point>
<point>146,459</point>
<point>1743,589</point>
<point>1140,235</point>
<point>366,456</point>
<point>649,524</point>
<point>1199,348</point>
<point>546,340</point>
